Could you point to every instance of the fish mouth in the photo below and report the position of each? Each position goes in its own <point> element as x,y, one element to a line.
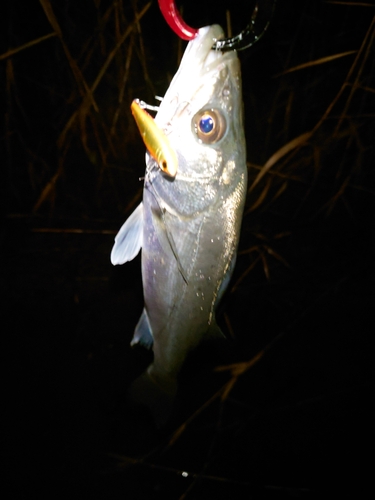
<point>209,35</point>
<point>199,57</point>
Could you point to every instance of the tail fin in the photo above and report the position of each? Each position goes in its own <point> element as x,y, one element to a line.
<point>157,398</point>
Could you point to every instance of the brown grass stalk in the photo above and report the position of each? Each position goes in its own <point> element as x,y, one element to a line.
<point>317,62</point>
<point>364,48</point>
<point>295,143</point>
<point>81,82</point>
<point>86,104</point>
<point>12,52</point>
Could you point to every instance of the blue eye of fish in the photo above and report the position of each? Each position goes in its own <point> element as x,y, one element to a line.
<point>206,124</point>
<point>209,125</point>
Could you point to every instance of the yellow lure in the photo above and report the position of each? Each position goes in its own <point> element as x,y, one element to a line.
<point>155,140</point>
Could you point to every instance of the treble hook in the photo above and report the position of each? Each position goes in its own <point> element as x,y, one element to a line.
<point>257,26</point>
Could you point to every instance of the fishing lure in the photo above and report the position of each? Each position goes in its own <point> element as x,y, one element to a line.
<point>155,140</point>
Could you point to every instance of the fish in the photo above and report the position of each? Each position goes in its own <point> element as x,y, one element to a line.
<point>189,221</point>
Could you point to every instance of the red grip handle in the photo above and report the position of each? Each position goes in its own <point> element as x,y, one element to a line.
<point>175,21</point>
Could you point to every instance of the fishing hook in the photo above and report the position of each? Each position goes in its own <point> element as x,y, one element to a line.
<point>257,26</point>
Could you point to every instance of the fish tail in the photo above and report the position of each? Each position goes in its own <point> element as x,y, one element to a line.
<point>156,397</point>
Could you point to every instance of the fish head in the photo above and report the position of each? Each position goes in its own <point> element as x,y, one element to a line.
<point>201,112</point>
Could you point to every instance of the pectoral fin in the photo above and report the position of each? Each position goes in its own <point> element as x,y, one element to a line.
<point>129,239</point>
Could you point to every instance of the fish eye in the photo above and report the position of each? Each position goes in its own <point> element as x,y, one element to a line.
<point>209,125</point>
<point>206,124</point>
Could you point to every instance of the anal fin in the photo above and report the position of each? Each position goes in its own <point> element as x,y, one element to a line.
<point>143,332</point>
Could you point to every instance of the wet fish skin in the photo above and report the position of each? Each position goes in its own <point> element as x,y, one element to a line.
<point>188,226</point>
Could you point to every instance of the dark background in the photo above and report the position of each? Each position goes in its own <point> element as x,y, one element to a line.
<point>296,424</point>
